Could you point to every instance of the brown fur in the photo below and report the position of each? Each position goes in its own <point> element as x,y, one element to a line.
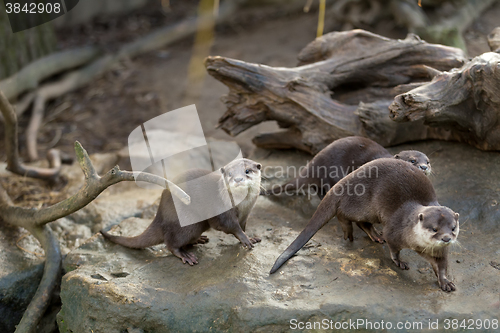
<point>166,227</point>
<point>345,155</point>
<point>402,199</point>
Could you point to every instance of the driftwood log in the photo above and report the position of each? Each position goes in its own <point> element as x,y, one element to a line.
<point>343,86</point>
<point>465,101</point>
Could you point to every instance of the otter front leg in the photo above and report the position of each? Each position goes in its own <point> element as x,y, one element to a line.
<point>228,223</point>
<point>255,240</point>
<point>243,225</point>
<point>346,227</point>
<point>395,257</point>
<point>242,237</point>
<point>185,256</point>
<point>201,240</point>
<point>371,232</point>
<point>440,267</point>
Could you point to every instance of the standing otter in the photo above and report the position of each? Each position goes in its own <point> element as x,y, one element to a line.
<point>402,199</point>
<point>241,178</point>
<point>340,158</point>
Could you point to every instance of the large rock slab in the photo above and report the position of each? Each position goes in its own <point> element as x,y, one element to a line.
<point>113,289</point>
<point>20,273</point>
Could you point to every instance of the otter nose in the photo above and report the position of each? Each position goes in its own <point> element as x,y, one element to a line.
<point>239,179</point>
<point>446,239</point>
<point>424,167</point>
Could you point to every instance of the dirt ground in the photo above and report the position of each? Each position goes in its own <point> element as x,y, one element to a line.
<point>102,115</point>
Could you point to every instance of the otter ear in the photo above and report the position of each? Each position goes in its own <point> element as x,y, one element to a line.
<point>259,166</point>
<point>456,216</point>
<point>397,156</point>
<point>222,170</point>
<point>421,217</point>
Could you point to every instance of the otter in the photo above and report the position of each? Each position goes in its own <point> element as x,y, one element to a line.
<point>240,177</point>
<point>400,197</point>
<point>340,158</point>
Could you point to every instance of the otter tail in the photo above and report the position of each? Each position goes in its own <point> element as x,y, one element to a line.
<point>325,211</point>
<point>290,186</point>
<point>153,235</point>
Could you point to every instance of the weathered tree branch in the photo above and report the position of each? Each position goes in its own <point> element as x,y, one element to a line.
<point>94,185</point>
<point>465,101</point>
<point>51,272</point>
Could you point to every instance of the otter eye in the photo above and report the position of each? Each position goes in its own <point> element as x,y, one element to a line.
<point>453,229</point>
<point>247,171</point>
<point>413,161</point>
<point>434,229</point>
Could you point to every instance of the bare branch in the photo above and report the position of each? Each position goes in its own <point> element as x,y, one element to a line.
<point>11,147</point>
<point>69,82</point>
<point>51,272</point>
<point>93,186</point>
<point>29,77</point>
<point>22,105</point>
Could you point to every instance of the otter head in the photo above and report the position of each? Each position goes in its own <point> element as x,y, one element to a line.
<point>437,226</point>
<point>418,159</point>
<point>242,176</point>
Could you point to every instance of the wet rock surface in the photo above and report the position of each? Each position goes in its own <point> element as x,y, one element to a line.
<point>110,288</point>
<point>20,273</point>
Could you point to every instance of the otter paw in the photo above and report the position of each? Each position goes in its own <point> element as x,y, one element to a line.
<point>401,264</point>
<point>376,236</point>
<point>246,242</point>
<point>379,239</point>
<point>202,240</point>
<point>254,240</point>
<point>189,258</point>
<point>348,235</point>
<point>447,286</point>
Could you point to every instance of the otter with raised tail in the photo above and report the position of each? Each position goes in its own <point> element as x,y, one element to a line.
<point>340,158</point>
<point>239,179</point>
<point>401,198</point>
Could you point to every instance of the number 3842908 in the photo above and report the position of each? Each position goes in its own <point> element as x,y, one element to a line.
<point>471,324</point>
<point>32,8</point>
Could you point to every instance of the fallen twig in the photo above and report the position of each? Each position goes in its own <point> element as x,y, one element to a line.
<point>69,82</point>
<point>30,76</point>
